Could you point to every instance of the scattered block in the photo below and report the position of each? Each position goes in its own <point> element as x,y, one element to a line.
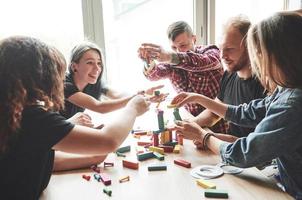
<point>157,168</point>
<point>158,156</point>
<point>124,179</point>
<point>143,143</point>
<point>140,132</point>
<point>97,177</point>
<point>145,156</point>
<point>216,193</point>
<point>108,164</point>
<point>139,149</point>
<point>182,163</point>
<point>130,164</point>
<point>124,149</point>
<point>105,179</point>
<point>205,184</point>
<point>120,154</point>
<point>156,149</point>
<point>107,191</point>
<point>86,177</point>
<point>95,168</point>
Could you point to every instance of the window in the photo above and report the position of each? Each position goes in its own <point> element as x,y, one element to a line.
<point>254,9</point>
<point>127,24</point>
<point>58,23</point>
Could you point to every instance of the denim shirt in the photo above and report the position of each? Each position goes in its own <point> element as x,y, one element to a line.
<point>278,134</point>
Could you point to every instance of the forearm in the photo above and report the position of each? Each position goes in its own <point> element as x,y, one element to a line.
<point>112,104</point>
<point>216,107</point>
<point>213,144</point>
<point>206,119</point>
<point>67,161</point>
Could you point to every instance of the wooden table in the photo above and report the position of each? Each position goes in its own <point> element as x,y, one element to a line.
<point>176,183</point>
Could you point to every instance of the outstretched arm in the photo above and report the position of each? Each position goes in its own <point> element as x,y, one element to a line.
<point>215,106</point>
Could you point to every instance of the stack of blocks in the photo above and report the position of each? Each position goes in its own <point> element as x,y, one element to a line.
<point>163,137</point>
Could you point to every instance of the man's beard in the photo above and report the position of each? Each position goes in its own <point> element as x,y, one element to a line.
<point>241,63</point>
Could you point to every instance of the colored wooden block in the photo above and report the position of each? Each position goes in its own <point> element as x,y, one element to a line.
<point>155,139</point>
<point>130,164</point>
<point>140,132</point>
<point>124,149</point>
<point>120,154</point>
<point>171,106</point>
<point>167,149</point>
<point>97,177</point>
<point>156,92</point>
<point>158,156</point>
<point>157,168</point>
<point>176,149</point>
<point>160,118</point>
<point>145,156</point>
<point>95,168</point>
<point>205,184</point>
<point>176,114</point>
<point>143,143</point>
<point>108,164</point>
<point>216,193</point>
<point>182,163</point>
<point>105,179</point>
<point>156,149</point>
<point>124,179</point>
<point>108,192</point>
<point>171,143</point>
<point>86,177</point>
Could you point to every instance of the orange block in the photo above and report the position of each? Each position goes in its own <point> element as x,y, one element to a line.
<point>130,164</point>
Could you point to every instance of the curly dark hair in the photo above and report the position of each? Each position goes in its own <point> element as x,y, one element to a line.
<point>30,71</point>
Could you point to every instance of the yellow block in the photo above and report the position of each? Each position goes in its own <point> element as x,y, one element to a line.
<point>176,149</point>
<point>156,149</point>
<point>206,184</point>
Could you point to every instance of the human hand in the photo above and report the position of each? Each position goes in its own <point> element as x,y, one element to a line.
<point>190,130</point>
<point>139,103</point>
<point>82,119</point>
<point>184,98</point>
<point>149,52</point>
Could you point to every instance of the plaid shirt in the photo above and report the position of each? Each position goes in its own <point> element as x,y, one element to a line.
<point>199,72</point>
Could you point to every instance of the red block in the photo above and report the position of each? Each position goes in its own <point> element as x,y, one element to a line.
<point>86,177</point>
<point>130,164</point>
<point>182,163</point>
<point>167,149</point>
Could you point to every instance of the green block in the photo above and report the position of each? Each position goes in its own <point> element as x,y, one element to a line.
<point>156,92</point>
<point>159,156</point>
<point>124,149</point>
<point>160,118</point>
<point>216,193</point>
<point>176,114</point>
<point>145,156</point>
<point>157,168</point>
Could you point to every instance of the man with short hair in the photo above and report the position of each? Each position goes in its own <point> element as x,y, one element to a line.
<point>238,85</point>
<point>190,68</point>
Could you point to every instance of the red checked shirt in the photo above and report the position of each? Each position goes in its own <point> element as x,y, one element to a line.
<point>199,72</point>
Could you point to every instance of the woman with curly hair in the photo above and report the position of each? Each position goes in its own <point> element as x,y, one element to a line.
<point>31,129</point>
